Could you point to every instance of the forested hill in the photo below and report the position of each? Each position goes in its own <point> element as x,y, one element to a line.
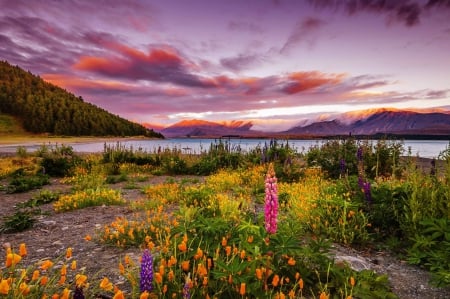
<point>46,108</point>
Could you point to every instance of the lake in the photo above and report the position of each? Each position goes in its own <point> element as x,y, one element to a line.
<point>423,148</point>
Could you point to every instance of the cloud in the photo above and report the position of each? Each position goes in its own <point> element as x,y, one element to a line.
<point>408,12</point>
<point>164,65</point>
<point>303,32</point>
<point>240,62</point>
<point>307,81</point>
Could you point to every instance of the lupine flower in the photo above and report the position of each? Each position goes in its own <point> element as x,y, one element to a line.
<point>367,192</point>
<point>271,201</point>
<point>187,288</point>
<point>78,294</point>
<point>359,154</point>
<point>342,166</point>
<point>146,283</point>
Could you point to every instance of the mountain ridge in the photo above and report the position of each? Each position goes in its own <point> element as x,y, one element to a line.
<point>371,122</point>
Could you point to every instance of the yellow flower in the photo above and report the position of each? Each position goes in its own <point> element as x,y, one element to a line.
<point>185,266</point>
<point>242,289</point>
<point>12,259</point>
<point>144,295</point>
<point>69,253</point>
<point>44,280</point>
<point>291,262</point>
<point>119,295</point>
<point>65,294</point>
<point>323,295</point>
<point>352,281</point>
<point>182,246</point>
<point>62,280</point>
<point>73,266</point>
<point>22,249</point>
<point>275,280</point>
<point>106,284</point>
<point>4,287</point>
<point>121,268</point>
<point>24,288</point>
<point>88,238</point>
<point>80,279</point>
<point>35,275</point>
<point>46,264</point>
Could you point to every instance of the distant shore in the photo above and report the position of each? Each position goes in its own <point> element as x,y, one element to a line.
<point>11,141</point>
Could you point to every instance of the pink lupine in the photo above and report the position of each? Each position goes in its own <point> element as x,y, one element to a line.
<point>271,201</point>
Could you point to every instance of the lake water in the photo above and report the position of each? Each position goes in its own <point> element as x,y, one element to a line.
<point>423,148</point>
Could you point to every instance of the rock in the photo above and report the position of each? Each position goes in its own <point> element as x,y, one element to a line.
<point>354,262</point>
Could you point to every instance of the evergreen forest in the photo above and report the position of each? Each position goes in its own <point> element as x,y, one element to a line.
<point>45,108</point>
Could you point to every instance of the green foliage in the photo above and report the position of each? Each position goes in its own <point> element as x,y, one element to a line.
<point>59,160</point>
<point>431,248</point>
<point>19,221</point>
<point>381,159</point>
<point>22,182</point>
<point>46,108</point>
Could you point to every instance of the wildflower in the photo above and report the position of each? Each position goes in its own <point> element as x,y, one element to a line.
<point>65,294</point>
<point>271,201</point>
<point>78,294</point>
<point>12,259</point>
<point>144,295</point>
<point>342,166</point>
<point>182,246</point>
<point>146,283</point>
<point>291,261</point>
<point>106,284</point>
<point>300,283</point>
<point>119,295</point>
<point>359,154</point>
<point>24,289</point>
<point>185,266</point>
<point>80,279</point>
<point>88,238</point>
<point>44,280</point>
<point>62,280</point>
<point>258,273</point>
<point>22,249</point>
<point>242,289</point>
<point>275,280</point>
<point>352,281</point>
<point>73,266</point>
<point>4,287</point>
<point>186,288</point>
<point>170,275</point>
<point>46,264</point>
<point>69,253</point>
<point>228,250</point>
<point>224,241</point>
<point>35,275</point>
<point>121,268</point>
<point>158,278</point>
<point>323,295</point>
<point>367,192</point>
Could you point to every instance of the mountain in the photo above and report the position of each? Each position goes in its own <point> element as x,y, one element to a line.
<point>42,107</point>
<point>202,128</point>
<point>369,122</point>
<point>381,122</point>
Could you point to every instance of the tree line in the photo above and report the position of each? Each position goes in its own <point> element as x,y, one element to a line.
<point>46,108</point>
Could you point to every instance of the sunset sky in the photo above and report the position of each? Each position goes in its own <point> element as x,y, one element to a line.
<point>275,63</point>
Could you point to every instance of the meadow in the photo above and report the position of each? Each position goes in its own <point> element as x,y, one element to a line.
<point>256,224</point>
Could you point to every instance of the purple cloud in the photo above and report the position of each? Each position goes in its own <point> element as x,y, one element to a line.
<point>303,32</point>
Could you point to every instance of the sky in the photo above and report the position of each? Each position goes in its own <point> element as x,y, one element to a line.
<point>276,63</point>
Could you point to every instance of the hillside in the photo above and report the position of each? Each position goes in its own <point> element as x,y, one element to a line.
<point>201,128</point>
<point>45,108</point>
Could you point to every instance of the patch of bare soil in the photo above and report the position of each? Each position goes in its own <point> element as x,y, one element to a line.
<point>54,232</point>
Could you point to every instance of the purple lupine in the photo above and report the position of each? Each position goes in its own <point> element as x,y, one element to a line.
<point>146,283</point>
<point>360,182</point>
<point>187,288</point>
<point>342,166</point>
<point>78,294</point>
<point>271,201</point>
<point>367,192</point>
<point>359,154</point>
